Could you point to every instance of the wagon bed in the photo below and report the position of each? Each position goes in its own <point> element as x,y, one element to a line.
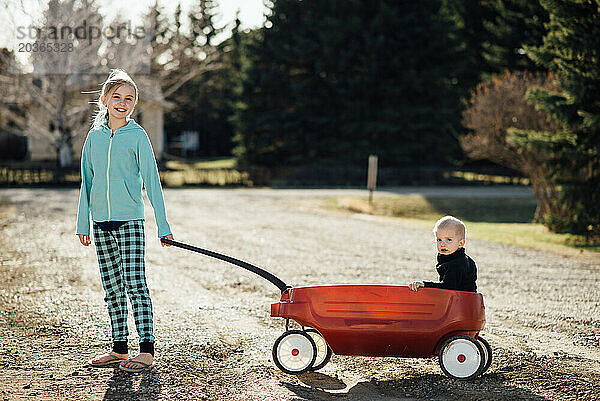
<point>383,320</point>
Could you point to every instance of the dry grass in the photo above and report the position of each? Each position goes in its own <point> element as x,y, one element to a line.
<point>501,220</point>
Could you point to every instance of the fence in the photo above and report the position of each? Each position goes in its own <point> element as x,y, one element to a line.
<point>44,176</point>
<point>315,176</point>
<point>38,176</point>
<point>352,176</point>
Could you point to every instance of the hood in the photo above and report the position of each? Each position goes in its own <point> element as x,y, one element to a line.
<point>130,126</point>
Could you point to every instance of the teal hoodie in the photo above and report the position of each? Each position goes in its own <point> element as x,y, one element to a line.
<point>113,166</point>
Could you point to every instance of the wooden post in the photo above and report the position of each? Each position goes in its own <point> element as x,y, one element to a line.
<point>372,176</point>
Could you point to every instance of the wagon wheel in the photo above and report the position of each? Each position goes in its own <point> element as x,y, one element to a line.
<point>294,352</point>
<point>323,350</point>
<point>461,357</point>
<point>488,353</point>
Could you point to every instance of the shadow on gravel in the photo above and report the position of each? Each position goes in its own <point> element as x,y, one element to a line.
<point>123,386</point>
<point>318,386</point>
<point>321,381</point>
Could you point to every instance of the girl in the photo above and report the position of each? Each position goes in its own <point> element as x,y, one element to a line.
<point>117,157</point>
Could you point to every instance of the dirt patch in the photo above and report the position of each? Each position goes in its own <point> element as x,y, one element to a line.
<point>214,333</point>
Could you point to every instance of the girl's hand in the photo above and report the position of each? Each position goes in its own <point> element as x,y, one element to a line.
<point>84,239</point>
<point>415,285</point>
<point>170,236</point>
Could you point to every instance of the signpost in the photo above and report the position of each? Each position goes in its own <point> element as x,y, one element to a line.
<point>372,176</point>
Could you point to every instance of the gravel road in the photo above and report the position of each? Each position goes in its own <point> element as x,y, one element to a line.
<point>214,333</point>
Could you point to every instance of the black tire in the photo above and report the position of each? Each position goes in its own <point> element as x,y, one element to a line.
<point>488,350</point>
<point>294,352</point>
<point>462,357</point>
<point>320,360</point>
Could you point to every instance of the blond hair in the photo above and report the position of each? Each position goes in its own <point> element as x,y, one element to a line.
<point>116,78</point>
<point>450,222</point>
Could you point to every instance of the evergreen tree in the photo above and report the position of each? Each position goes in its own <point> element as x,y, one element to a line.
<point>470,18</point>
<point>161,35</point>
<point>202,103</point>
<point>202,22</point>
<point>511,26</point>
<point>340,79</point>
<point>570,49</point>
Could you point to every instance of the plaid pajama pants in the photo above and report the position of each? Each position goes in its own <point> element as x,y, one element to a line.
<point>121,259</point>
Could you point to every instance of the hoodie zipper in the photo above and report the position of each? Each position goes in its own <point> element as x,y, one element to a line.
<point>107,176</point>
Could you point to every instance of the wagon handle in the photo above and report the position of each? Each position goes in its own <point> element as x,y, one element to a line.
<point>254,269</point>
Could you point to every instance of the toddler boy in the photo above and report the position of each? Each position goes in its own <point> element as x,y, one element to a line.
<point>456,269</point>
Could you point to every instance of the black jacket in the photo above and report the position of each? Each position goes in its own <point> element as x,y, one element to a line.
<point>457,272</point>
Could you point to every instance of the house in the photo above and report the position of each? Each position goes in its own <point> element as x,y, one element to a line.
<point>149,113</point>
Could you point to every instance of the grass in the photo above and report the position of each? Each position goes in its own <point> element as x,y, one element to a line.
<point>502,220</point>
<point>215,163</point>
<point>488,178</point>
<point>215,171</point>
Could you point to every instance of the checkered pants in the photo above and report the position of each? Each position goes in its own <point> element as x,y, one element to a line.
<point>121,258</point>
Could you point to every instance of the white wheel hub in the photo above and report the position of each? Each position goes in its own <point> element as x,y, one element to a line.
<point>461,358</point>
<point>295,352</point>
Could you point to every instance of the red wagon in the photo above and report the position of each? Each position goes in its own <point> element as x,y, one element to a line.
<point>382,320</point>
<point>375,320</point>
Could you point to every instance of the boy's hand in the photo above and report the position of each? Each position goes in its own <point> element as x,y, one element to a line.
<point>84,239</point>
<point>415,285</point>
<point>170,236</point>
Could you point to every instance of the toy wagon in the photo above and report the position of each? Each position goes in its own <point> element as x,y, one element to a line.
<point>382,320</point>
<point>375,320</point>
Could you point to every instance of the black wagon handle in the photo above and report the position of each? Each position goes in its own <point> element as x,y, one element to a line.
<point>254,269</point>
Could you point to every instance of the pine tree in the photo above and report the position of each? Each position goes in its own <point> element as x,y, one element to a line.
<point>511,26</point>
<point>570,49</point>
<point>340,79</point>
<point>202,21</point>
<point>470,18</point>
<point>202,102</point>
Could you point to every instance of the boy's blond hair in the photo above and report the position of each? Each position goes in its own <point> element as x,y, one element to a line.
<point>450,222</point>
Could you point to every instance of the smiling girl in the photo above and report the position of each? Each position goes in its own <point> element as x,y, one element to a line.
<point>117,158</point>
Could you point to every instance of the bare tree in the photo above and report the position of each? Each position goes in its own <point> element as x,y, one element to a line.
<point>178,56</point>
<point>496,107</point>
<point>62,55</point>
<point>70,50</point>
<point>73,50</point>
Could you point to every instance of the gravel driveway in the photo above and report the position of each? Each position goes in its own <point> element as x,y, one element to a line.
<point>214,333</point>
